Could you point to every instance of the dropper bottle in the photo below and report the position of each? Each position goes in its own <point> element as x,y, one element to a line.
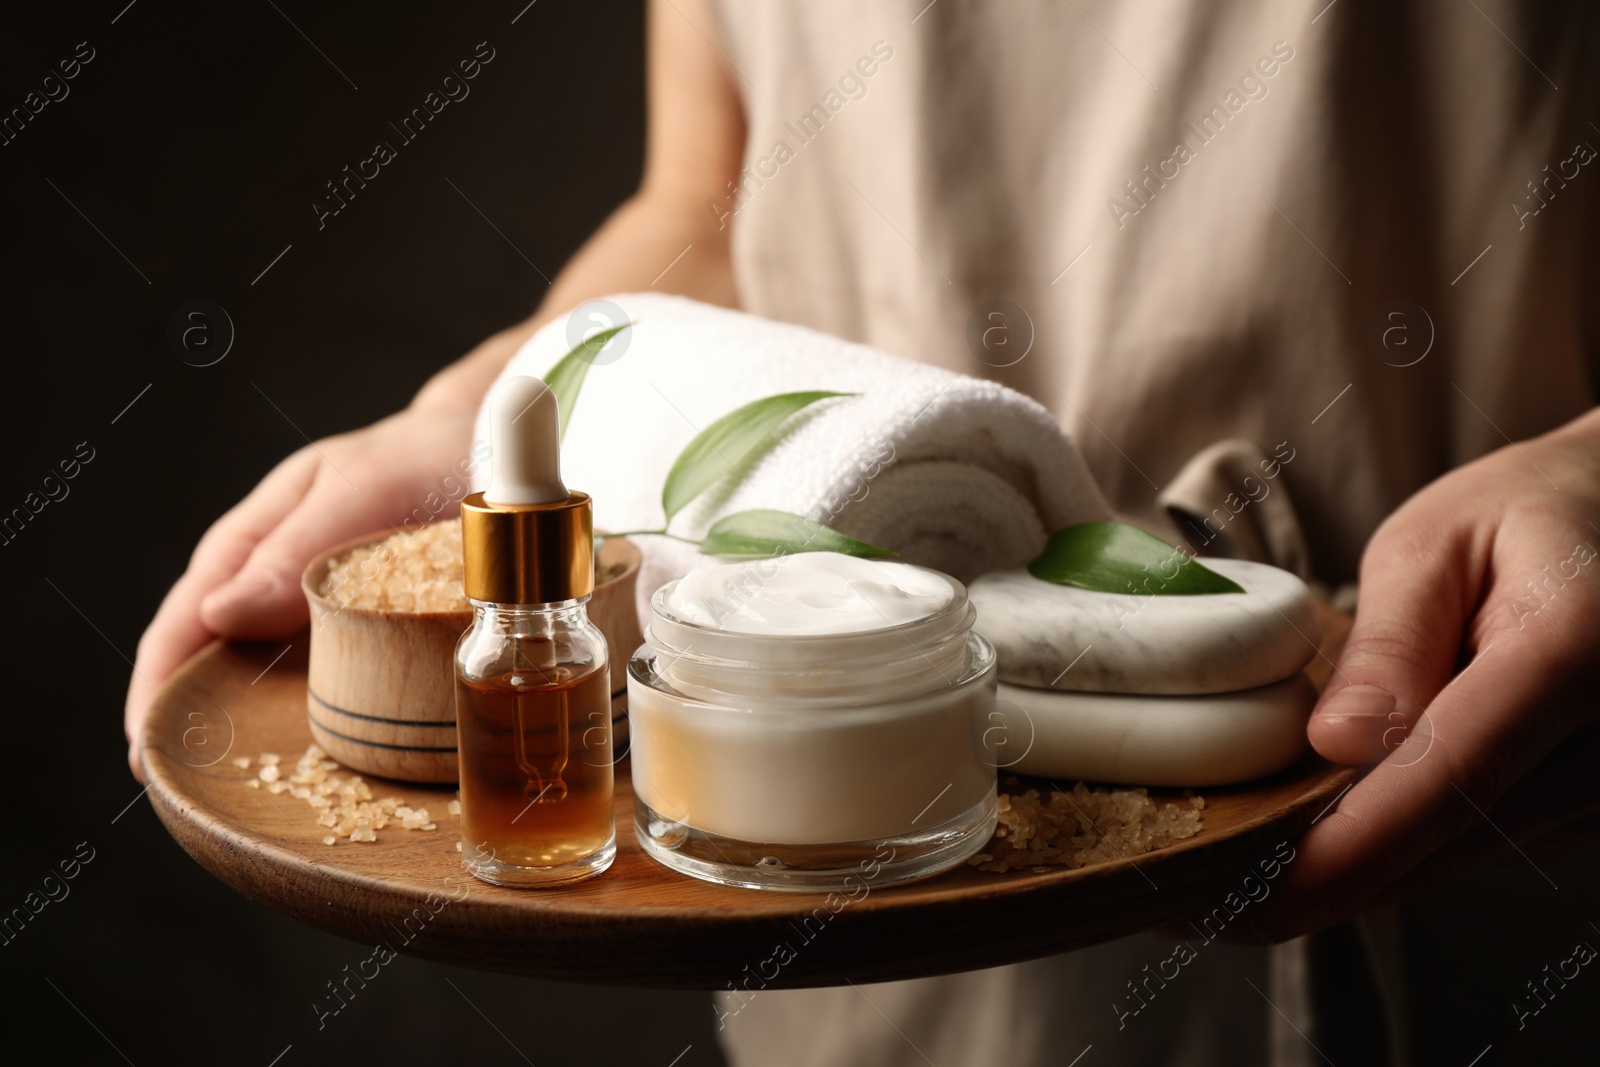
<point>533,689</point>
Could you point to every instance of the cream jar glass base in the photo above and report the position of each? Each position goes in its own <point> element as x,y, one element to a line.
<point>850,867</point>
<point>763,769</point>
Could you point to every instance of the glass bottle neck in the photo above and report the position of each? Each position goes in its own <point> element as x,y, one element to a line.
<point>560,610</point>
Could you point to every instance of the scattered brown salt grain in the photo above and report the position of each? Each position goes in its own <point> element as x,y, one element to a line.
<point>241,762</point>
<point>1083,827</point>
<point>344,806</point>
<point>406,571</point>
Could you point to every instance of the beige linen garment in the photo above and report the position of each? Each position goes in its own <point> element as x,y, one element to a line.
<point>1354,239</point>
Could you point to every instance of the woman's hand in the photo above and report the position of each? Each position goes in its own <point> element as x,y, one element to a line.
<point>1472,674</point>
<point>243,580</point>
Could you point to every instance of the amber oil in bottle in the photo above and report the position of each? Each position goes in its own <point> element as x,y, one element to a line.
<point>534,719</point>
<point>533,680</point>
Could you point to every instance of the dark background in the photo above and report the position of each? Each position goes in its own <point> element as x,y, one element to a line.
<point>191,149</point>
<point>195,141</point>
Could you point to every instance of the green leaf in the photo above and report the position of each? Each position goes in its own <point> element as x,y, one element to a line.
<point>726,444</point>
<point>764,532</point>
<point>565,379</point>
<point>1111,557</point>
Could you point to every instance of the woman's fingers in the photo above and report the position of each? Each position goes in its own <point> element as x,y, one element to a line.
<point>361,484</point>
<point>174,635</point>
<point>1484,560</point>
<point>1476,741</point>
<point>255,599</point>
<point>264,599</point>
<point>177,632</point>
<point>1550,813</point>
<point>244,577</point>
<point>1418,585</point>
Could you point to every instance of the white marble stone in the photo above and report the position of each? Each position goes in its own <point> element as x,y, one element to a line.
<point>1174,645</point>
<point>1180,742</point>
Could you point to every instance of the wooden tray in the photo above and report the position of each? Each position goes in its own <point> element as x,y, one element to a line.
<point>640,924</point>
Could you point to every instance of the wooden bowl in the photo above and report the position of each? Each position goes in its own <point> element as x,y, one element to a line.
<point>380,689</point>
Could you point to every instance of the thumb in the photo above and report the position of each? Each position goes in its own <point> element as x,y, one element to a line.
<point>1416,589</point>
<point>265,599</point>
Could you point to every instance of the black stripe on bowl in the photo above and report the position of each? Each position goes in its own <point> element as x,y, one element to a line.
<point>315,725</point>
<point>378,718</point>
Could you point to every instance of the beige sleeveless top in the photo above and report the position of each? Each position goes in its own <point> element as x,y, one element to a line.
<point>1248,254</point>
<point>1360,236</point>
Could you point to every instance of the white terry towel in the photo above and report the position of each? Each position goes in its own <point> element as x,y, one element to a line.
<point>951,472</point>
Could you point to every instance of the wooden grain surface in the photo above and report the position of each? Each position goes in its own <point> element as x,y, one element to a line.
<point>640,924</point>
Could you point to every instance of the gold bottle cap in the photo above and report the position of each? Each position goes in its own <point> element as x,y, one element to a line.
<point>528,553</point>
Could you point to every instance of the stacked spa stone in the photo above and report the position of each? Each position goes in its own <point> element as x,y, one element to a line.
<point>1201,690</point>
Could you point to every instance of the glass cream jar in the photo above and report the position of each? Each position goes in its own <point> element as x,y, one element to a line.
<point>803,720</point>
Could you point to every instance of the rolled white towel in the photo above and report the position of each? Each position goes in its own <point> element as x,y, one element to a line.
<point>952,472</point>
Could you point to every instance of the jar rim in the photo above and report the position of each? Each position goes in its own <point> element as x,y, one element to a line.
<point>704,659</point>
<point>977,660</point>
<point>936,620</point>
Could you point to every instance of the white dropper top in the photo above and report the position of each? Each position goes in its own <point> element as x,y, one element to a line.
<point>525,441</point>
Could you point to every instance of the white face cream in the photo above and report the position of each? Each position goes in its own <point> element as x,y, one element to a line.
<point>792,717</point>
<point>807,594</point>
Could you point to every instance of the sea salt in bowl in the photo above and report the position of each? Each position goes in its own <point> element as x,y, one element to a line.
<point>386,613</point>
